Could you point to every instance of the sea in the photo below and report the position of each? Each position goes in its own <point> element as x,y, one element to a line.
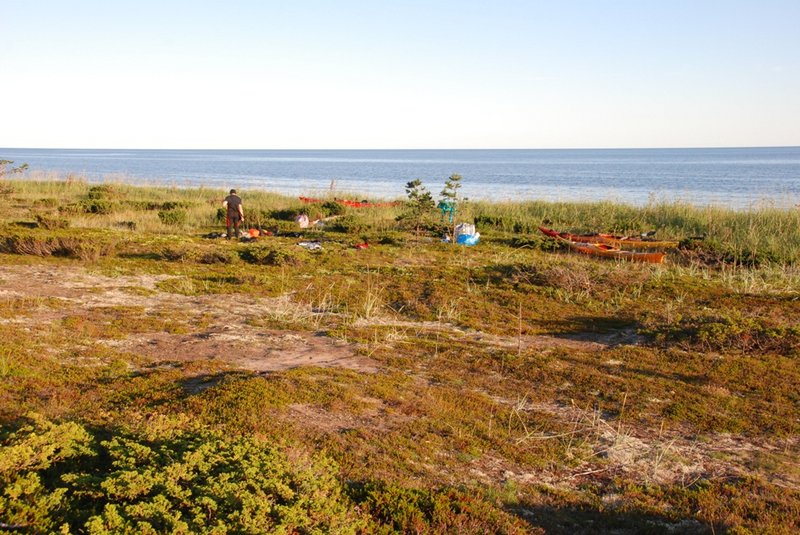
<point>739,178</point>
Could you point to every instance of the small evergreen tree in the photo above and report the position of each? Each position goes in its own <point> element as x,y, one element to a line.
<point>420,202</point>
<point>449,201</point>
<point>451,187</point>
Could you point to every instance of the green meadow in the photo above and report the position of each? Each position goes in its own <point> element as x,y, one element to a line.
<point>155,378</point>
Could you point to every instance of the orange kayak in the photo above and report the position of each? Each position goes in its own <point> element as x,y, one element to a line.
<point>609,251</point>
<point>611,239</point>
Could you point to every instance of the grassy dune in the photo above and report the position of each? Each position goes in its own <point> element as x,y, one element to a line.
<point>156,380</point>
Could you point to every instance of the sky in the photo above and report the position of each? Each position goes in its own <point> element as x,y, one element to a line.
<point>410,74</point>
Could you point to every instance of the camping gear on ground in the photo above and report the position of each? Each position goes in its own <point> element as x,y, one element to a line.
<point>364,245</point>
<point>311,245</point>
<point>464,228</point>
<point>611,239</point>
<point>466,234</point>
<point>302,220</point>
<point>468,239</point>
<point>254,233</point>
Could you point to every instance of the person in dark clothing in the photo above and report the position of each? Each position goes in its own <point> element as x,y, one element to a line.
<point>235,214</point>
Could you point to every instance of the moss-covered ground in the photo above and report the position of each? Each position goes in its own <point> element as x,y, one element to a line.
<point>155,379</point>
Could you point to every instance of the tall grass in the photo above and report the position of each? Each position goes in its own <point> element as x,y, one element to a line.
<point>765,234</point>
<point>759,235</point>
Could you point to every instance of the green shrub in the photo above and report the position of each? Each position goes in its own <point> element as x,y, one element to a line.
<point>166,482</point>
<point>286,214</point>
<point>178,253</point>
<point>29,500</point>
<point>174,205</point>
<point>330,208</point>
<point>173,217</point>
<point>216,257</point>
<point>269,255</point>
<point>406,510</point>
<point>153,205</point>
<point>98,206</point>
<point>392,238</point>
<point>103,191</point>
<point>349,224</point>
<point>535,241</point>
<point>51,223</point>
<point>729,331</point>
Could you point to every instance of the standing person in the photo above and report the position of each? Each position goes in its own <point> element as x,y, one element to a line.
<point>235,213</point>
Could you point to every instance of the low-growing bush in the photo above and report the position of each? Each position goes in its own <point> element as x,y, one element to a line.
<point>174,217</point>
<point>75,247</point>
<point>51,223</point>
<point>98,206</point>
<point>392,238</point>
<point>216,256</point>
<point>285,214</point>
<point>167,482</point>
<point>349,224</point>
<point>330,208</point>
<point>154,205</point>
<point>534,241</point>
<point>269,255</point>
<point>178,253</point>
<point>728,331</point>
<point>408,510</point>
<point>102,191</point>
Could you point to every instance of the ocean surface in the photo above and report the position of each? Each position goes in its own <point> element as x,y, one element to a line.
<point>735,177</point>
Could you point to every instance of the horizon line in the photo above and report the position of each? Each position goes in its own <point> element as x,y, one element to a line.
<point>415,149</point>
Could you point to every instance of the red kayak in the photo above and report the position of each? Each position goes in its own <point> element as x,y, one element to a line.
<point>353,204</point>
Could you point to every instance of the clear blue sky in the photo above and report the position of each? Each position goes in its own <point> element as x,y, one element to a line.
<point>399,74</point>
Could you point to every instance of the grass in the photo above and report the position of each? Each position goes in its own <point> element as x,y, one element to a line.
<point>519,388</point>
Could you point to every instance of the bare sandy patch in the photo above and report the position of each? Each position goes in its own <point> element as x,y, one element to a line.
<point>225,336</point>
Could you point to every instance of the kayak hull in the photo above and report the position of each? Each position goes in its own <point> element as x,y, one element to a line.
<point>606,250</point>
<point>610,239</point>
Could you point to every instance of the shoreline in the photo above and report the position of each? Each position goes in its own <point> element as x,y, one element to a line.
<point>787,203</point>
<point>739,178</point>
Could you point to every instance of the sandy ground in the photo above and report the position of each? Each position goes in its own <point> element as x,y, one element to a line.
<point>214,333</point>
<point>226,334</point>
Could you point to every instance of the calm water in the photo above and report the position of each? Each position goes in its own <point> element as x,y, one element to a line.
<point>740,177</point>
